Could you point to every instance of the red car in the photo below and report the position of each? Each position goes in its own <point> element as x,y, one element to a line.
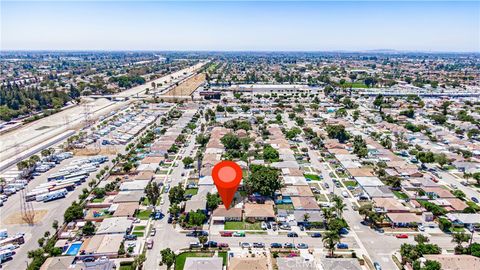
<point>223,245</point>
<point>226,234</point>
<point>401,235</point>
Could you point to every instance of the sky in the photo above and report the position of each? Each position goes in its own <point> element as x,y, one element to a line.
<point>240,26</point>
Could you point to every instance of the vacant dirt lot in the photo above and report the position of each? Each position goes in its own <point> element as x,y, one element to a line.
<point>187,87</point>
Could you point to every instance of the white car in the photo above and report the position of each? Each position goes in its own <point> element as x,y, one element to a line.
<point>421,228</point>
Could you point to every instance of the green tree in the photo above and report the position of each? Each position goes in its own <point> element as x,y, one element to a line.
<point>360,147</point>
<point>421,239</point>
<point>168,257</point>
<point>330,240</point>
<point>202,239</point>
<point>187,161</point>
<point>269,153</point>
<point>365,210</point>
<point>153,192</point>
<point>263,180</point>
<point>459,239</point>
<point>88,228</point>
<point>174,209</point>
<point>73,212</point>
<point>213,200</point>
<point>337,132</point>
<point>338,205</point>
<point>176,194</point>
<point>196,218</point>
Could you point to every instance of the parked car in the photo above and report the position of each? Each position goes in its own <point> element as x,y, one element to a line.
<point>258,245</point>
<point>191,234</point>
<point>239,234</point>
<point>226,234</point>
<point>285,227</point>
<point>202,233</point>
<point>153,232</point>
<point>245,245</point>
<point>402,235</point>
<point>302,246</point>
<point>292,234</point>
<point>365,223</point>
<point>276,245</point>
<point>326,185</point>
<point>342,245</point>
<point>377,266</point>
<point>149,243</point>
<point>130,237</point>
<point>379,229</point>
<point>421,228</point>
<point>222,245</point>
<point>475,200</point>
<point>316,235</point>
<point>288,245</point>
<point>344,231</point>
<point>195,245</point>
<point>211,244</point>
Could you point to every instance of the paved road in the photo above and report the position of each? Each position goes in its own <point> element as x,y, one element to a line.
<point>450,179</point>
<point>166,235</point>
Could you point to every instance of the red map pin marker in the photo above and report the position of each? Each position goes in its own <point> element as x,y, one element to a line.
<point>227,175</point>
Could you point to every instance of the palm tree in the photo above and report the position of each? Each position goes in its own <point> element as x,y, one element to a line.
<point>365,210</point>
<point>306,217</point>
<point>327,213</point>
<point>339,205</point>
<point>330,240</point>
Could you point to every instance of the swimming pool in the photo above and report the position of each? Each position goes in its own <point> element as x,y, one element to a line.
<point>73,249</point>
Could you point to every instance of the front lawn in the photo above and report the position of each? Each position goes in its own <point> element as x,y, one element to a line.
<point>98,200</point>
<point>400,195</point>
<point>126,266</point>
<point>144,214</point>
<point>313,177</point>
<point>139,228</point>
<point>181,258</point>
<point>350,183</point>
<point>192,191</point>
<point>457,229</point>
<point>241,225</point>
<point>321,197</point>
<point>138,234</point>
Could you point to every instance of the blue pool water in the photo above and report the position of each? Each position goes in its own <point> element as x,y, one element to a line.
<point>74,248</point>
